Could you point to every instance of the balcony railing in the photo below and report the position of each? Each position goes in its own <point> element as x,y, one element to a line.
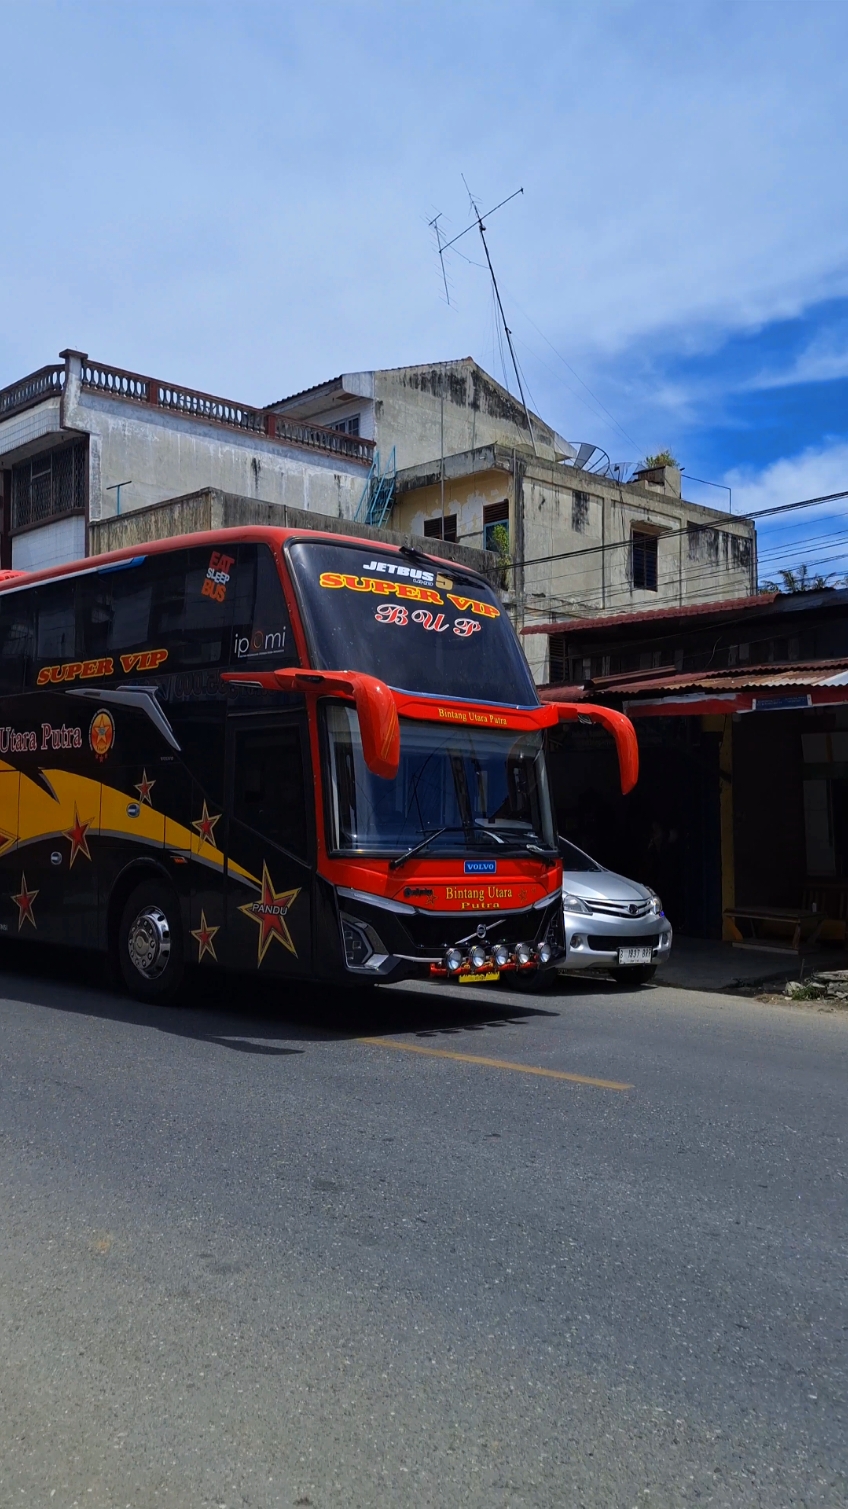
<point>47,382</point>
<point>132,387</point>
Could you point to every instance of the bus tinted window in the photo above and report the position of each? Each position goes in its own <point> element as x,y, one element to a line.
<point>204,606</point>
<point>17,638</point>
<point>261,625</point>
<point>56,621</point>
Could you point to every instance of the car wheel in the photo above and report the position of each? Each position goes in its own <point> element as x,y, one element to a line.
<point>639,974</point>
<point>150,944</point>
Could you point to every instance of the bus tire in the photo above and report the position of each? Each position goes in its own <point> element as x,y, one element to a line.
<point>150,943</point>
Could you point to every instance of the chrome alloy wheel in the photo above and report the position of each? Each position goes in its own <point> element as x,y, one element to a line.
<point>149,942</point>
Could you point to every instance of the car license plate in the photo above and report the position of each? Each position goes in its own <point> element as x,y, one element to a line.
<point>485,978</point>
<point>634,955</point>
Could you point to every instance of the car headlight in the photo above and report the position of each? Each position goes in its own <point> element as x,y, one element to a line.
<point>574,904</point>
<point>656,906</point>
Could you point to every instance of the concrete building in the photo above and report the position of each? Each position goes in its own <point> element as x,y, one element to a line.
<point>576,544</point>
<point>72,434</point>
<point>440,451</point>
<point>424,412</point>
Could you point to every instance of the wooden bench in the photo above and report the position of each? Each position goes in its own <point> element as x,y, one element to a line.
<point>760,927</point>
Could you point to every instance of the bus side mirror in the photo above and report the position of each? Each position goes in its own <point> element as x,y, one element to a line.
<point>616,724</point>
<point>378,724</point>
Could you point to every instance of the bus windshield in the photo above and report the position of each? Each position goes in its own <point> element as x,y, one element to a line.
<point>456,788</point>
<point>415,628</point>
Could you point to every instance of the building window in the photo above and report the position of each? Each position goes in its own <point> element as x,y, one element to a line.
<point>643,556</point>
<point>496,527</point>
<point>347,426</point>
<point>556,660</point>
<point>49,486</point>
<point>433,527</point>
<point>579,512</point>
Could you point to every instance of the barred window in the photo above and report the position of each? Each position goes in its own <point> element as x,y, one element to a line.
<point>643,556</point>
<point>49,485</point>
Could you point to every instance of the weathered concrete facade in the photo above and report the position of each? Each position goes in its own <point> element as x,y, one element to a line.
<point>570,536</point>
<point>157,440</point>
<point>436,409</point>
<point>210,509</point>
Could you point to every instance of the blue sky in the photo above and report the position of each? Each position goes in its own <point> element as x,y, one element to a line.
<point>236,196</point>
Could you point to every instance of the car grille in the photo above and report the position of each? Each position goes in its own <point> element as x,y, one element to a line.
<point>607,944</point>
<point>620,908</point>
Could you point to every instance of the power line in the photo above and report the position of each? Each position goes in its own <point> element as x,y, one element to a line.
<point>668,534</point>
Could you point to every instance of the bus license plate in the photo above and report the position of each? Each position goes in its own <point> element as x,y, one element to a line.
<point>486,978</point>
<point>634,955</point>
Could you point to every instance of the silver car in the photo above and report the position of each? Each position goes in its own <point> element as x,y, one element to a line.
<point>611,923</point>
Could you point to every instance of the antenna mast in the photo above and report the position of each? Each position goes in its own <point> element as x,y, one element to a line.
<point>444,246</point>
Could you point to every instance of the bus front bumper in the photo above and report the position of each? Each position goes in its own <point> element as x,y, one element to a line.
<point>385,941</point>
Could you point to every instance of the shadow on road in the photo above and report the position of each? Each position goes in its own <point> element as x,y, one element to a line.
<point>232,1010</point>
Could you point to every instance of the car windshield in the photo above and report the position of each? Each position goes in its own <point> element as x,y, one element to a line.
<point>574,858</point>
<point>456,788</point>
<point>401,619</point>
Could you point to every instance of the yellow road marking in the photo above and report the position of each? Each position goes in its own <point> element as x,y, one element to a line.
<point>495,1063</point>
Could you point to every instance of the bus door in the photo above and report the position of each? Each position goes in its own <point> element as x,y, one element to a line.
<point>270,844</point>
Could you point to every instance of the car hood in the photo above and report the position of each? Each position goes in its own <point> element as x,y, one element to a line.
<point>603,885</point>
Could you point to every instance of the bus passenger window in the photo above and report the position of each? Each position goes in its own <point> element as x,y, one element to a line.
<point>270,792</point>
<point>56,618</point>
<point>261,624</point>
<point>17,638</point>
<point>116,614</point>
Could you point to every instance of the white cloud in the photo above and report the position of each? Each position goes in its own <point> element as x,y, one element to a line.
<point>239,196</point>
<point>825,359</point>
<point>816,535</point>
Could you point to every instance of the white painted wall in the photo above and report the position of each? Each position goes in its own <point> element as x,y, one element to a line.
<point>51,545</point>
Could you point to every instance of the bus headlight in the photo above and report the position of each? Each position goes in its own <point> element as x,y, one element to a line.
<point>478,956</point>
<point>454,959</point>
<point>544,953</point>
<point>523,953</point>
<point>500,955</point>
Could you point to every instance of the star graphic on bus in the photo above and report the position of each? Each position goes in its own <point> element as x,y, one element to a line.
<point>205,826</point>
<point>78,835</point>
<point>24,903</point>
<point>144,788</point>
<point>204,935</point>
<point>270,912</point>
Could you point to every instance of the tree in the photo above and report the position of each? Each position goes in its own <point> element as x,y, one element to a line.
<point>798,579</point>
<point>662,458</point>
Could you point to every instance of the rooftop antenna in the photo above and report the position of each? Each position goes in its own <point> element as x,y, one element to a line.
<point>479,223</point>
<point>434,226</point>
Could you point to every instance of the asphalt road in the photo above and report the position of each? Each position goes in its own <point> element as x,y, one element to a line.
<point>249,1259</point>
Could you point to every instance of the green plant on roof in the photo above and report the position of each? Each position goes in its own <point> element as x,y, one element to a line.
<point>662,458</point>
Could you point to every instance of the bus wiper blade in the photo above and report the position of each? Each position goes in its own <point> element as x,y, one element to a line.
<point>545,853</point>
<point>395,864</point>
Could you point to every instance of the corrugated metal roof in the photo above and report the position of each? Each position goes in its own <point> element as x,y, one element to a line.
<point>741,679</point>
<point>653,615</point>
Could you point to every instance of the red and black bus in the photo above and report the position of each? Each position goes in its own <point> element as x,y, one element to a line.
<point>277,750</point>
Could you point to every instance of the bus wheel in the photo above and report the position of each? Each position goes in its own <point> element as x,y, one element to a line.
<point>150,947</point>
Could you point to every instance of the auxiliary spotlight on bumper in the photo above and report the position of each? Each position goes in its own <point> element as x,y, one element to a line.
<point>454,959</point>
<point>544,952</point>
<point>500,955</point>
<point>478,957</point>
<point>523,954</point>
